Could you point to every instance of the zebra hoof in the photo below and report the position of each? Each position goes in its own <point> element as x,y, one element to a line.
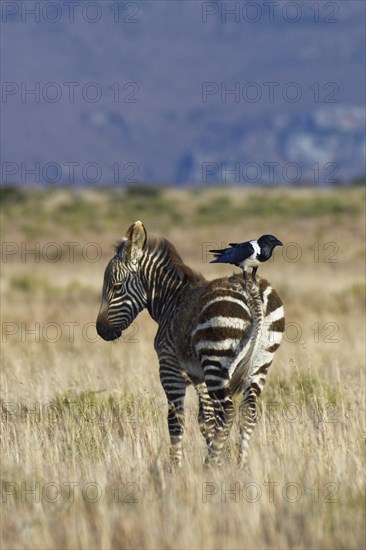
<point>243,464</point>
<point>212,462</point>
<point>203,430</point>
<point>175,466</point>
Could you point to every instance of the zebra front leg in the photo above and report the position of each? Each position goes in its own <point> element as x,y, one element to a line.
<point>176,428</point>
<point>175,389</point>
<point>248,420</point>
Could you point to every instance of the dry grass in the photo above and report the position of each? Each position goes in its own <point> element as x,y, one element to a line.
<point>84,441</point>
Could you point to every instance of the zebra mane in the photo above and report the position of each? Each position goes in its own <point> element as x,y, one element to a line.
<point>184,270</point>
<point>119,246</point>
<point>152,243</point>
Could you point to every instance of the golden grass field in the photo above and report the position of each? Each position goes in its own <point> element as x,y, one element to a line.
<point>84,439</point>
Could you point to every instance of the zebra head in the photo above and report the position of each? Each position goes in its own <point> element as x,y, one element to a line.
<point>124,295</point>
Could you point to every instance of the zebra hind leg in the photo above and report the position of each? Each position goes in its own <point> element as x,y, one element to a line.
<point>206,412</point>
<point>248,420</point>
<point>225,414</point>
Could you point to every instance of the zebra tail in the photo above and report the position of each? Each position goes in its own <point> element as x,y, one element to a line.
<point>240,374</point>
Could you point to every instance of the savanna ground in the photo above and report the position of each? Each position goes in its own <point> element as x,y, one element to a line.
<point>84,440</point>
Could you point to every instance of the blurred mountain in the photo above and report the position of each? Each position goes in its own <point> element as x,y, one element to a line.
<point>183,92</point>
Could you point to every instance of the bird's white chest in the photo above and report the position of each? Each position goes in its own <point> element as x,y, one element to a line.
<point>252,260</point>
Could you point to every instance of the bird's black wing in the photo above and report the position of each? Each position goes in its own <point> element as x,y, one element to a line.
<point>243,250</point>
<point>233,255</point>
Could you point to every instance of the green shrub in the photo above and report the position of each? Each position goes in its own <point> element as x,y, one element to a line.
<point>144,191</point>
<point>30,282</point>
<point>11,194</point>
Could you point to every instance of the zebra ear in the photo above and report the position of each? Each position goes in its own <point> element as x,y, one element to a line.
<point>136,235</point>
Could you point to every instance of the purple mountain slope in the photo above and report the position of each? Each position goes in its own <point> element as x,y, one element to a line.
<point>182,92</point>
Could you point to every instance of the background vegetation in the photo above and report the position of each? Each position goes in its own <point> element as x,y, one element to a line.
<point>84,444</point>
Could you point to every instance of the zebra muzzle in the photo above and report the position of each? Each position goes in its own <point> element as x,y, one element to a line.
<point>108,332</point>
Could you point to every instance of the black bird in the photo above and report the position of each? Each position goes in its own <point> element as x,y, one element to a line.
<point>248,254</point>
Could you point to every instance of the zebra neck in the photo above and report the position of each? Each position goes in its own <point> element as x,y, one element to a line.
<point>164,287</point>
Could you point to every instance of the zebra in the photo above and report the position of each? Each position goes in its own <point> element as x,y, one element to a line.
<point>218,335</point>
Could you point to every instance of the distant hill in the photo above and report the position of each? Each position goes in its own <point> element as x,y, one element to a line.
<point>183,92</point>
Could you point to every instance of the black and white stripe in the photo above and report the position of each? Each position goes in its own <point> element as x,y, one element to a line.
<point>219,335</point>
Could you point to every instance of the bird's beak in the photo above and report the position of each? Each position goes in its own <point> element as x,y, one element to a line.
<point>278,243</point>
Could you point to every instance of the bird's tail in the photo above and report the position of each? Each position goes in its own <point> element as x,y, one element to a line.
<point>217,254</point>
